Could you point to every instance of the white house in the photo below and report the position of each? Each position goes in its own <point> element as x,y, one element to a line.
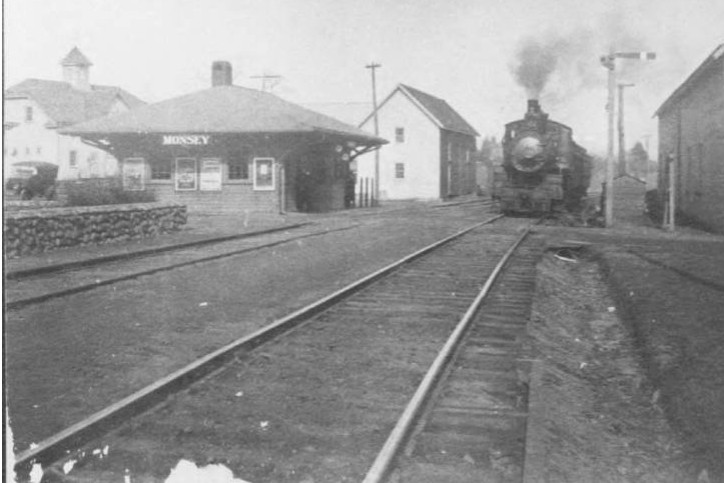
<point>431,154</point>
<point>35,109</point>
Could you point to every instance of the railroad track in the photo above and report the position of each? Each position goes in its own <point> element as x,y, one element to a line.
<point>36,285</point>
<point>467,421</point>
<point>32,287</point>
<point>295,389</point>
<point>100,260</point>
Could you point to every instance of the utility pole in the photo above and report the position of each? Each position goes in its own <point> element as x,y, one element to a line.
<point>609,62</point>
<point>373,66</point>
<point>621,142</point>
<point>672,159</point>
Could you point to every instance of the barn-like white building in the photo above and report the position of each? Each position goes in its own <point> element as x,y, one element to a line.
<point>35,109</point>
<point>431,154</point>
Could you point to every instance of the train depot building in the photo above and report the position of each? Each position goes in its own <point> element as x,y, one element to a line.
<point>233,149</point>
<point>691,144</point>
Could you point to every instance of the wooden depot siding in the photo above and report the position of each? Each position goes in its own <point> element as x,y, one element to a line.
<point>308,176</point>
<point>233,198</point>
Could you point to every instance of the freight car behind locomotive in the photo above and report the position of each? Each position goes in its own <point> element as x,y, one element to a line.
<point>543,169</point>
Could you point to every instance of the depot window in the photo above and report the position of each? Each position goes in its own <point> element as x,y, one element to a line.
<point>28,114</point>
<point>399,134</point>
<point>264,174</point>
<point>239,164</point>
<point>161,169</point>
<point>399,170</point>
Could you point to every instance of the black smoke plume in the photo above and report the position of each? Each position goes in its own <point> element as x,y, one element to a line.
<point>536,60</point>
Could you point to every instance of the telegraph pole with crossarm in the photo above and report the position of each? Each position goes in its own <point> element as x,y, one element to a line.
<point>609,62</point>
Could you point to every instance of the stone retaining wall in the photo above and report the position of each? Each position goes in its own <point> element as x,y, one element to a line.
<point>16,205</point>
<point>35,231</point>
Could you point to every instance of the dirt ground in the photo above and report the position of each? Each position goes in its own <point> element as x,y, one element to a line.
<point>604,410</point>
<point>677,325</point>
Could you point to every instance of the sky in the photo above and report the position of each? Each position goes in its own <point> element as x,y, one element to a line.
<point>464,51</point>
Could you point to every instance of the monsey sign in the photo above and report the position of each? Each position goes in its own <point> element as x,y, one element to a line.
<point>186,140</point>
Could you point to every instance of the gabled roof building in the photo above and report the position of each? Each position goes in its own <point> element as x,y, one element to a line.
<point>691,144</point>
<point>232,149</point>
<point>431,154</point>
<point>35,109</point>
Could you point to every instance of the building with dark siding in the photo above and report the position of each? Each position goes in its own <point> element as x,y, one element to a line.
<point>691,143</point>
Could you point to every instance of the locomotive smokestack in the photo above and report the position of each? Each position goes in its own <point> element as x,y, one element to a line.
<point>533,106</point>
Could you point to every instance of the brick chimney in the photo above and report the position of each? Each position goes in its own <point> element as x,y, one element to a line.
<point>76,70</point>
<point>221,74</point>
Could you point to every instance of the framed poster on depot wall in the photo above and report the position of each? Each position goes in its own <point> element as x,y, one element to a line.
<point>210,174</point>
<point>264,177</point>
<point>133,174</point>
<point>185,174</point>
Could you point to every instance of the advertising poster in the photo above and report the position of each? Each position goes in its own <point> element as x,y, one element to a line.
<point>185,174</point>
<point>133,174</point>
<point>264,174</point>
<point>210,175</point>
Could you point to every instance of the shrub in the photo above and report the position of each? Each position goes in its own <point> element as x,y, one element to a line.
<point>104,191</point>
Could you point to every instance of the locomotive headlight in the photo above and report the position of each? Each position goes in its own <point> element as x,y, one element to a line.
<point>527,148</point>
<point>527,154</point>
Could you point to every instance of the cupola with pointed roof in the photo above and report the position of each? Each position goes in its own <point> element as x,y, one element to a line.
<point>76,70</point>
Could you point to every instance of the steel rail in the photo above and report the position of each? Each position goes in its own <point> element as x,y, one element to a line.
<point>19,303</point>
<point>400,434</point>
<point>59,267</point>
<point>57,445</point>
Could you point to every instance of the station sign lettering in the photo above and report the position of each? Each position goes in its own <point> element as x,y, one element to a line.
<point>186,140</point>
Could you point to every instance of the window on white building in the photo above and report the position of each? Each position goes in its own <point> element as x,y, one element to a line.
<point>399,170</point>
<point>29,114</point>
<point>399,134</point>
<point>73,159</point>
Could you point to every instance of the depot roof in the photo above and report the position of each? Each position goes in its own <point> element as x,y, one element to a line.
<point>222,109</point>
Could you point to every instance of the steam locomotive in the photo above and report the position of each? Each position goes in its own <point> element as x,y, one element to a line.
<point>543,169</point>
